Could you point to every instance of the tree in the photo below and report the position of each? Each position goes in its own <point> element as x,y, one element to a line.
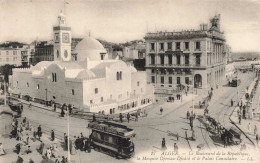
<point>6,70</point>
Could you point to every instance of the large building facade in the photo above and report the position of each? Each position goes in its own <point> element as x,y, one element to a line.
<point>186,58</point>
<point>11,56</point>
<point>92,83</point>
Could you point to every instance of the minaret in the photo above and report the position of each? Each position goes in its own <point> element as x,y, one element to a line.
<point>62,40</point>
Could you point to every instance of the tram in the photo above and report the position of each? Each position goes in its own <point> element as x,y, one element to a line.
<point>112,138</point>
<point>235,82</point>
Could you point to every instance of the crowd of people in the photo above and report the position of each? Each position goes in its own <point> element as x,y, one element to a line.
<point>26,136</point>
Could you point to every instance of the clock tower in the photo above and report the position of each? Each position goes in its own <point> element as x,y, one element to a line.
<point>62,40</point>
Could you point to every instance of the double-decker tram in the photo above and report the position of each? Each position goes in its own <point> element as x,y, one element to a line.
<point>112,138</point>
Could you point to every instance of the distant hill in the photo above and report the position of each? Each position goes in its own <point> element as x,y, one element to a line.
<point>246,55</point>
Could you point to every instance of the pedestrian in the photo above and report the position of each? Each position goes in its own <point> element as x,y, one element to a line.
<point>239,118</point>
<point>39,132</point>
<point>18,148</point>
<point>62,112</point>
<point>136,117</point>
<point>19,160</point>
<point>48,153</point>
<point>63,160</point>
<point>40,150</point>
<point>65,141</point>
<point>31,161</point>
<point>24,120</point>
<point>128,117</point>
<point>121,117</point>
<point>27,139</point>
<point>256,138</point>
<point>249,127</point>
<point>191,126</point>
<point>176,148</point>
<point>255,130</point>
<point>177,136</point>
<point>70,108</point>
<point>94,117</point>
<point>193,135</point>
<point>52,135</point>
<point>188,114</point>
<point>225,141</point>
<point>164,144</point>
<point>161,110</point>
<point>186,135</point>
<point>54,106</point>
<point>28,150</point>
<point>231,102</point>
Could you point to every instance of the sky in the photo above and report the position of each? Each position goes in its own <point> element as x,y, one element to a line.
<point>126,20</point>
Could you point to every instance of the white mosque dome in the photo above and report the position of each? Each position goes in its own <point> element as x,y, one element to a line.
<point>90,48</point>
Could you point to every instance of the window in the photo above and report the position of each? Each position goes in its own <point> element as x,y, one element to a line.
<point>14,52</point>
<point>7,53</point>
<point>170,80</point>
<point>101,99</point>
<point>0,59</point>
<point>198,59</point>
<point>178,80</point>
<point>153,71</point>
<point>178,59</point>
<point>153,79</point>
<point>138,83</point>
<point>169,45</point>
<point>162,79</point>
<point>187,58</point>
<point>186,45</point>
<point>170,59</point>
<point>162,59</point>
<point>197,45</point>
<point>161,46</point>
<point>117,75</point>
<point>102,56</point>
<point>54,77</point>
<point>38,86</point>
<point>7,59</point>
<point>120,75</point>
<point>178,45</point>
<point>187,80</point>
<point>91,101</point>
<point>152,59</point>
<point>58,54</point>
<point>152,46</point>
<point>72,92</point>
<point>96,90</point>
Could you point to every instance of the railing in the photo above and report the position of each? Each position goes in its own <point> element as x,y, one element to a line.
<point>177,65</point>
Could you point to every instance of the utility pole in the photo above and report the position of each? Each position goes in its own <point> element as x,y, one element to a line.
<point>4,91</point>
<point>68,136</point>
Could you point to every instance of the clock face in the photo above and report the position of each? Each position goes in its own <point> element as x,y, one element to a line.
<point>56,37</point>
<point>65,38</point>
<point>65,53</point>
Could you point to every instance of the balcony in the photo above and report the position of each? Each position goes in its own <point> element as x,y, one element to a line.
<point>175,66</point>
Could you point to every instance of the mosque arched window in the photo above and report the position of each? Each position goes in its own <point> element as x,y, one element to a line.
<point>58,54</point>
<point>120,75</point>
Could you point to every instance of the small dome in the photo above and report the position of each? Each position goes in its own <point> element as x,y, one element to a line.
<point>85,74</point>
<point>90,48</point>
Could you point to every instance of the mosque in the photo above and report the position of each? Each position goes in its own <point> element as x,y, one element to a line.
<point>89,81</point>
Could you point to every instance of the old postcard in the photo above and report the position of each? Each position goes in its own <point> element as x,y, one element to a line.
<point>144,81</point>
